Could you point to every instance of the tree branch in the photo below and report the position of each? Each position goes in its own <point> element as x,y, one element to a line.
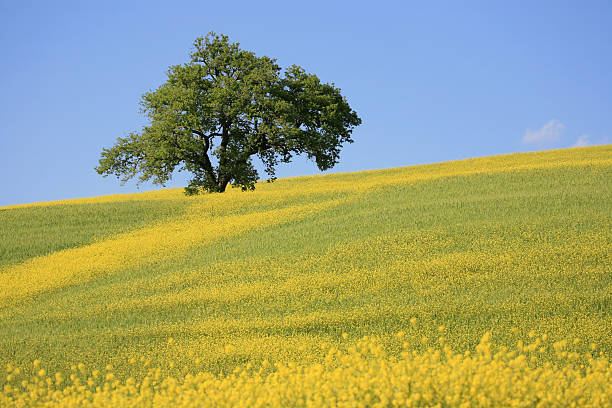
<point>204,135</point>
<point>213,76</point>
<point>199,133</point>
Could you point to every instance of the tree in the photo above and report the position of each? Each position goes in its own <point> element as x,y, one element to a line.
<point>221,108</point>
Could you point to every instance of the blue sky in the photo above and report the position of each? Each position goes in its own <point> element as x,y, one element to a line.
<point>432,81</point>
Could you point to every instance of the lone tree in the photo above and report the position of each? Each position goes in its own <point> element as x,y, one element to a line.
<point>221,108</point>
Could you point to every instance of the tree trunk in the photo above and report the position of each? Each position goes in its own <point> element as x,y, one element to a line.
<point>223,176</point>
<point>222,185</point>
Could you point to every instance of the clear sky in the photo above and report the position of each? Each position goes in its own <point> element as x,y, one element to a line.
<point>432,81</point>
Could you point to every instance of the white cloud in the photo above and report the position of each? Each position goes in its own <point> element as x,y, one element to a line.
<point>582,141</point>
<point>549,132</point>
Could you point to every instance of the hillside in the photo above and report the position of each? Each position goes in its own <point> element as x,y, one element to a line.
<point>516,245</point>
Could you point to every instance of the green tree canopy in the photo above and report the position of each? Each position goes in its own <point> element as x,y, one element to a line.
<point>221,108</point>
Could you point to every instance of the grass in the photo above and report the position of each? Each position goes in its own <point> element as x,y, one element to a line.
<point>515,245</point>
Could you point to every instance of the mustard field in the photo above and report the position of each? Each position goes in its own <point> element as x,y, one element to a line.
<point>482,282</point>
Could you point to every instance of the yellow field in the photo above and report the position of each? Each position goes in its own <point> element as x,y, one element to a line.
<point>360,376</point>
<point>362,289</point>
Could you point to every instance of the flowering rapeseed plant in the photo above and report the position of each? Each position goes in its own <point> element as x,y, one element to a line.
<point>265,297</point>
<point>360,375</point>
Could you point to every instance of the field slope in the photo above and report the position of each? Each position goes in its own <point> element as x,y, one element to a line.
<point>417,259</point>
